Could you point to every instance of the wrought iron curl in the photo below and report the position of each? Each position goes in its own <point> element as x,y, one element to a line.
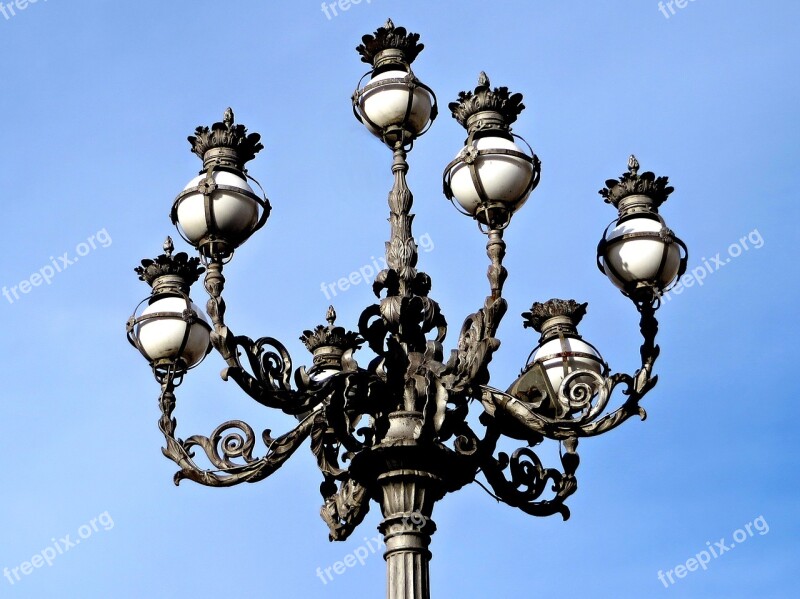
<point>231,440</point>
<point>528,479</point>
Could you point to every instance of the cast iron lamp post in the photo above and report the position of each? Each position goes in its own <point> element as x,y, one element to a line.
<point>396,431</point>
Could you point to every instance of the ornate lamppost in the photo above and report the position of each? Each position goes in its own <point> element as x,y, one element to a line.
<point>396,431</point>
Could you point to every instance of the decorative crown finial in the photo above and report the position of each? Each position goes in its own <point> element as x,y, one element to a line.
<point>632,183</point>
<point>541,312</point>
<point>403,47</point>
<point>486,99</point>
<point>181,270</point>
<point>333,337</point>
<point>226,143</point>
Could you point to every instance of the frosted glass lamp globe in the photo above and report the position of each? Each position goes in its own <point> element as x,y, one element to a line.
<point>161,337</point>
<point>650,258</point>
<point>233,210</point>
<point>385,105</point>
<point>506,179</point>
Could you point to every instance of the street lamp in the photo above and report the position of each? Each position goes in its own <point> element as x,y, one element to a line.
<point>396,431</point>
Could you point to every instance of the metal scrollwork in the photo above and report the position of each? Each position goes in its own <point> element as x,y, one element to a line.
<point>528,480</point>
<point>229,441</point>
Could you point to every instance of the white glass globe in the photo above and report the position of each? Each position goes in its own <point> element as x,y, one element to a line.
<point>235,214</point>
<point>386,105</point>
<point>324,374</point>
<point>638,259</point>
<point>161,338</point>
<point>505,178</point>
<point>554,366</point>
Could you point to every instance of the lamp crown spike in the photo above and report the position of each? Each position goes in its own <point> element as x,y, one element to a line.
<point>483,98</point>
<point>633,164</point>
<point>390,45</point>
<point>226,142</point>
<point>631,183</point>
<point>167,270</point>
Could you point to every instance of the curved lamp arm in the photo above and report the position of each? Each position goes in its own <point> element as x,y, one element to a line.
<point>232,440</point>
<point>591,399</point>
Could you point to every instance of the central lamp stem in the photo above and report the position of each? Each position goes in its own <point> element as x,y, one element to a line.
<point>497,273</point>
<point>401,249</point>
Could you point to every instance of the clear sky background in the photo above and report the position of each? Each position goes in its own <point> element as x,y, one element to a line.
<point>97,100</point>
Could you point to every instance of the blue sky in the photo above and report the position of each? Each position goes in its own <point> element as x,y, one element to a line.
<point>98,98</point>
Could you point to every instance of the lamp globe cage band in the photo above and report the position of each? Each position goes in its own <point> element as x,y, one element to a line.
<point>562,358</point>
<point>394,105</point>
<point>218,210</point>
<point>171,332</point>
<point>491,177</point>
<point>638,252</point>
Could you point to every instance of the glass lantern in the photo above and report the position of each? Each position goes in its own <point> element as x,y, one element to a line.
<point>218,211</point>
<point>395,100</point>
<point>394,105</point>
<point>491,177</point>
<point>171,332</point>
<point>561,353</point>
<point>638,253</point>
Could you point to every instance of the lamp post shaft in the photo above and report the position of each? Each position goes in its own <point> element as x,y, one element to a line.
<point>408,499</point>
